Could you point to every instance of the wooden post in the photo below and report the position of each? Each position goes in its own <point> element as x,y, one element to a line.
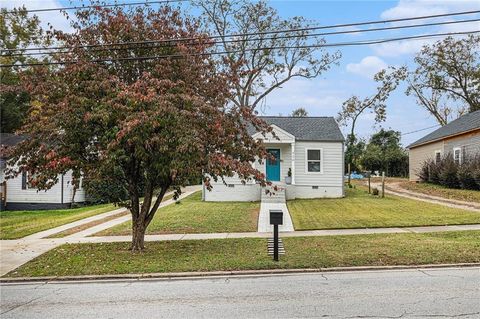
<point>383,184</point>
<point>369,183</point>
<point>349,173</point>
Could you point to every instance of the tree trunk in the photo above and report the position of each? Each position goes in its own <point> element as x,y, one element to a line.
<point>138,234</point>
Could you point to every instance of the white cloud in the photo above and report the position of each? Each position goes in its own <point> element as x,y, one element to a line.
<point>412,8</point>
<point>367,67</point>
<point>54,18</point>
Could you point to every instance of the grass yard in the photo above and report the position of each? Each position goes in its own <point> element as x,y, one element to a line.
<point>18,224</point>
<point>359,209</point>
<point>250,253</point>
<point>442,191</point>
<point>192,215</point>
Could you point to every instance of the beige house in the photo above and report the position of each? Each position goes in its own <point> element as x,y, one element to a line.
<point>461,138</point>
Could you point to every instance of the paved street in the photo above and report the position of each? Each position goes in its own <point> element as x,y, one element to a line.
<point>373,294</point>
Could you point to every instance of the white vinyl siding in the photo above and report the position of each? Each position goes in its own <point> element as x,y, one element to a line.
<point>331,164</point>
<point>15,193</point>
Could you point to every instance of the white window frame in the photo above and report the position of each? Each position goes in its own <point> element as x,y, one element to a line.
<point>435,158</point>
<point>306,160</point>
<point>459,149</point>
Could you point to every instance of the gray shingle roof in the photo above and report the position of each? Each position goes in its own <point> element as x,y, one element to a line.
<point>306,128</point>
<point>465,123</point>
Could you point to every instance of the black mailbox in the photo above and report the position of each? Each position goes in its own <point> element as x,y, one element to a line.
<point>276,217</point>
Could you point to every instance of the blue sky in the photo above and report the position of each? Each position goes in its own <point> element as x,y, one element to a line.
<point>323,96</point>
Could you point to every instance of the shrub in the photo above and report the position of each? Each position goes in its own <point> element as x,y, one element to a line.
<point>102,191</point>
<point>375,191</point>
<point>450,174</point>
<point>466,178</point>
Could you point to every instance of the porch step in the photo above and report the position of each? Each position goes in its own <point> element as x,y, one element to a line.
<point>281,248</point>
<point>274,193</point>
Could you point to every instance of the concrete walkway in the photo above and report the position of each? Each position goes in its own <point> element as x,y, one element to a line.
<point>15,253</point>
<point>395,189</point>
<point>264,218</point>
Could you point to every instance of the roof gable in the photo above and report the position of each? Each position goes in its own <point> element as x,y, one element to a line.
<point>463,124</point>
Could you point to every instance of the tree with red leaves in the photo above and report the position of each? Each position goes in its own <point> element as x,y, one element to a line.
<point>120,115</point>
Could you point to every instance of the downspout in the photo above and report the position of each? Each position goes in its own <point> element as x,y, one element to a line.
<point>61,190</point>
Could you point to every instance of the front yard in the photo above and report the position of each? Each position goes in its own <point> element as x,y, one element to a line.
<point>359,210</point>
<point>18,224</point>
<point>192,215</point>
<point>250,253</point>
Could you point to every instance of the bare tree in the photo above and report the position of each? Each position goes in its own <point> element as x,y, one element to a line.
<point>433,100</point>
<point>446,81</point>
<point>352,108</point>
<point>261,60</point>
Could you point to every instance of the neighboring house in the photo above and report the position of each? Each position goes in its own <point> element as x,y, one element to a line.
<point>460,138</point>
<point>17,195</point>
<point>311,148</point>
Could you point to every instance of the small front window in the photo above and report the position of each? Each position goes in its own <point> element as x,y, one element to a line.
<point>314,161</point>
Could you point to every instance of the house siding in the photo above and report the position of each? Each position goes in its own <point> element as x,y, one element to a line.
<point>307,185</point>
<point>332,175</point>
<point>469,142</point>
<point>31,198</point>
<point>418,155</point>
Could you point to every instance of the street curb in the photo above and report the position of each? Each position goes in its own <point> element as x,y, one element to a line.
<point>239,273</point>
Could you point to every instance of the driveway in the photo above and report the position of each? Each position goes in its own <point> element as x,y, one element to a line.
<point>422,293</point>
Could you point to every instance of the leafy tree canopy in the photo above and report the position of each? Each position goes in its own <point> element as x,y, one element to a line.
<point>385,153</point>
<point>138,122</point>
<point>17,32</point>
<point>300,112</point>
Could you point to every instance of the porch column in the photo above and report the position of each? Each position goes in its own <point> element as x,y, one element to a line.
<point>292,146</point>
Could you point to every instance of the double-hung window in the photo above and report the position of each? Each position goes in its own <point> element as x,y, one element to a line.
<point>314,160</point>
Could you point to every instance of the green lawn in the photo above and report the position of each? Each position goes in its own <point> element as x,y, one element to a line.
<point>442,191</point>
<point>250,253</point>
<point>192,215</point>
<point>359,209</point>
<point>18,224</point>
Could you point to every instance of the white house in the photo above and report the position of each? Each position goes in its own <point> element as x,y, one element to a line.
<point>311,148</point>
<point>15,193</point>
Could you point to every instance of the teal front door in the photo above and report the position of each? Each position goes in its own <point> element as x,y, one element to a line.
<point>273,166</point>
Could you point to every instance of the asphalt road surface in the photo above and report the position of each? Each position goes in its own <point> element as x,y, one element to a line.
<point>425,293</point>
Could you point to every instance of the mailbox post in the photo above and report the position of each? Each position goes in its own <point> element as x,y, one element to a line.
<point>276,218</point>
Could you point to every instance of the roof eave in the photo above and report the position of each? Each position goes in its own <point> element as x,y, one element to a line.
<point>413,145</point>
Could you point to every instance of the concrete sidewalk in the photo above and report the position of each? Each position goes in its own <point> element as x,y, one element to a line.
<point>304,233</point>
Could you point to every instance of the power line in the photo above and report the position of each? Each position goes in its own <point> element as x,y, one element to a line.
<point>255,39</point>
<point>100,6</point>
<point>252,33</point>
<point>423,129</point>
<point>367,42</point>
